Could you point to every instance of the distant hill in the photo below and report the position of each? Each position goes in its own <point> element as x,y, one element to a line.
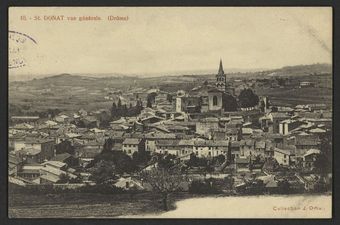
<point>89,79</point>
<point>301,70</point>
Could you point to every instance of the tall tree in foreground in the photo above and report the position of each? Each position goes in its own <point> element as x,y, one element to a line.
<point>163,181</point>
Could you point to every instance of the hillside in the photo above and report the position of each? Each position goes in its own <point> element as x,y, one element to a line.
<point>88,79</point>
<point>302,70</point>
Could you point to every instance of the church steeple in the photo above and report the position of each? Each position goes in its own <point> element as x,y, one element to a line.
<point>220,69</point>
<point>221,78</point>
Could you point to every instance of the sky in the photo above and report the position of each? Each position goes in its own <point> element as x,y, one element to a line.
<point>168,40</point>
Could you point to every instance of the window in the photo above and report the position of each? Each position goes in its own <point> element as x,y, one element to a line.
<point>215,100</point>
<point>129,151</point>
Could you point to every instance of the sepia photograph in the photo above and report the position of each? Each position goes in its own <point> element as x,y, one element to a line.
<point>170,112</point>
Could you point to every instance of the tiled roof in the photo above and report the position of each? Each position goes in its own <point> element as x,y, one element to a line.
<point>38,140</point>
<point>132,141</point>
<point>61,157</point>
<point>167,142</point>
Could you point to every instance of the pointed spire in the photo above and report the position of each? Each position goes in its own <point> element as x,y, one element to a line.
<point>220,69</point>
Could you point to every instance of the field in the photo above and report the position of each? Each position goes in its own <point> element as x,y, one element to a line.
<point>71,93</point>
<point>69,205</point>
<point>182,205</point>
<point>295,96</point>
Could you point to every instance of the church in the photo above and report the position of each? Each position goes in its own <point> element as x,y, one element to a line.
<point>206,98</point>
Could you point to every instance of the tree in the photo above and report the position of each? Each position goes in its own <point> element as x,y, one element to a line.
<point>64,147</point>
<point>63,178</point>
<point>121,162</point>
<point>108,145</point>
<point>151,99</point>
<point>194,161</point>
<point>284,186</point>
<point>167,161</point>
<point>149,103</point>
<point>163,181</point>
<point>219,159</point>
<point>114,110</point>
<point>247,98</point>
<point>323,162</point>
<point>169,98</point>
<point>275,109</point>
<point>104,119</point>
<point>203,187</point>
<point>119,104</point>
<point>141,157</point>
<point>103,171</point>
<point>229,103</point>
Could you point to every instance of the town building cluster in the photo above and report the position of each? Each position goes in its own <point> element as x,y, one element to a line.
<point>182,124</point>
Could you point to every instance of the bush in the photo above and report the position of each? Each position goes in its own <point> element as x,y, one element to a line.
<point>52,189</point>
<point>101,188</point>
<point>203,187</point>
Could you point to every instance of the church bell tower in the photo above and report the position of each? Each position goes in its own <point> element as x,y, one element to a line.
<point>221,78</point>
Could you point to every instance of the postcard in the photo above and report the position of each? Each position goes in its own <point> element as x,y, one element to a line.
<point>170,112</point>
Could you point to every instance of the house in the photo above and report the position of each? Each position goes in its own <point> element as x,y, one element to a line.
<point>16,142</point>
<point>309,158</point>
<point>14,165</point>
<point>186,146</point>
<point>304,143</point>
<point>62,118</point>
<point>24,119</point>
<point>30,171</point>
<point>129,184</point>
<point>270,183</point>
<point>304,84</point>
<point>286,126</point>
<point>276,118</point>
<point>317,107</point>
<point>168,147</point>
<point>265,123</point>
<point>90,121</point>
<point>283,157</point>
<point>247,148</point>
<point>178,129</point>
<point>234,147</point>
<point>43,146</point>
<point>207,125</point>
<point>67,158</point>
<point>246,132</point>
<point>260,147</point>
<point>30,155</point>
<point>132,145</point>
<point>23,127</point>
<point>232,134</point>
<point>211,148</point>
<point>86,154</point>
<point>52,171</point>
<point>152,137</point>
<point>242,164</point>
